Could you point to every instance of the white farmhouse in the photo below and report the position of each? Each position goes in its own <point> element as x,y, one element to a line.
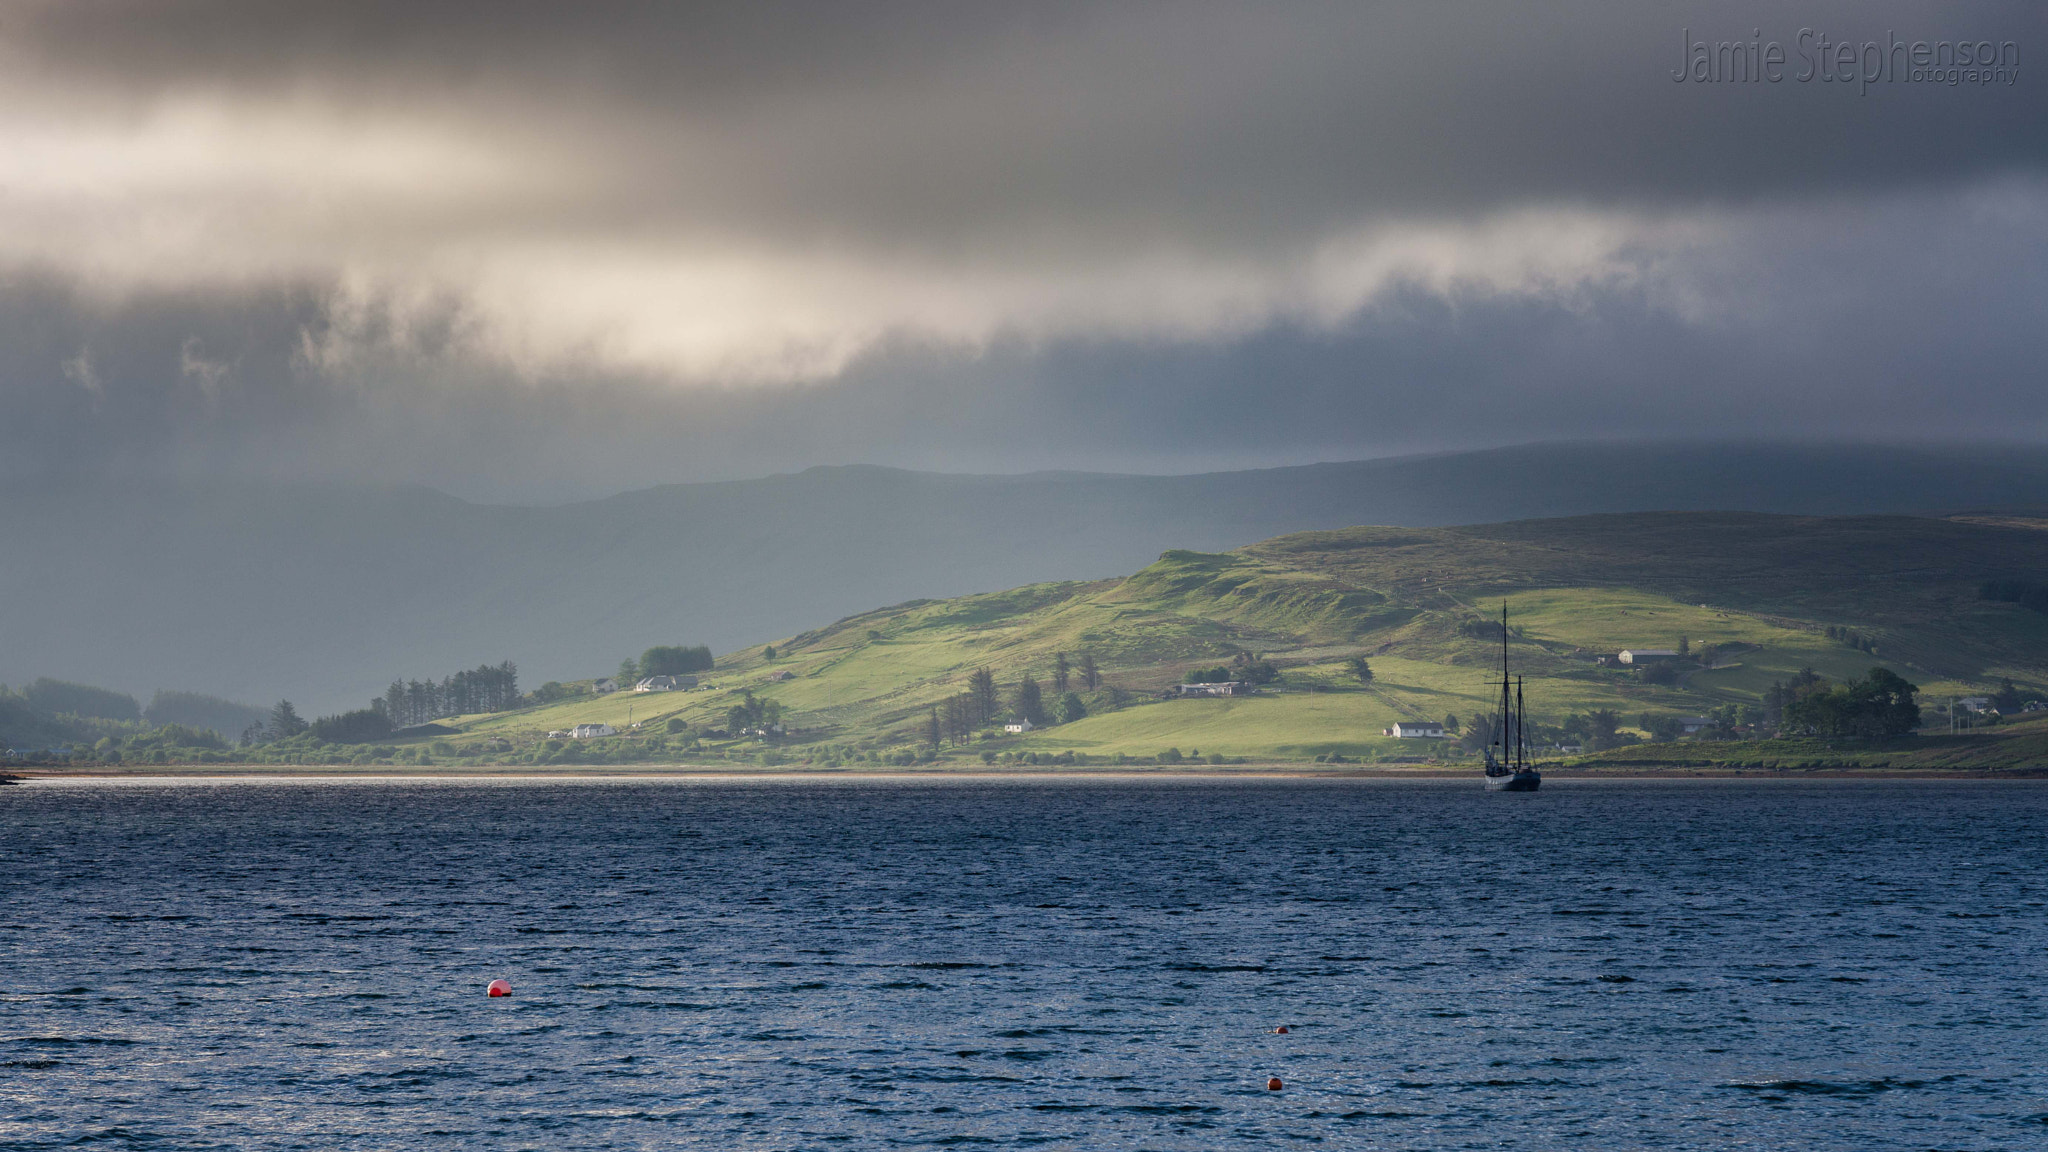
<point>666,684</point>
<point>1020,727</point>
<point>1226,688</point>
<point>1647,655</point>
<point>586,731</point>
<point>1415,730</point>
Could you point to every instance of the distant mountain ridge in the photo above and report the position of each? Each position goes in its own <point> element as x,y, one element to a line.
<point>255,591</point>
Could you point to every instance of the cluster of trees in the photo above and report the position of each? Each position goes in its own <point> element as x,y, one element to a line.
<point>1854,640</point>
<point>1663,672</point>
<point>1780,695</point>
<point>200,711</point>
<point>1066,675</point>
<point>62,697</point>
<point>2024,593</point>
<point>752,712</point>
<point>958,717</point>
<point>668,660</point>
<point>1485,629</point>
<point>2008,699</point>
<point>85,719</point>
<point>1879,706</point>
<point>486,688</point>
<point>363,726</point>
<point>1596,729</point>
<point>282,723</point>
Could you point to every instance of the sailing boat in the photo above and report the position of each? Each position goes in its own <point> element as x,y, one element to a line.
<point>1507,756</point>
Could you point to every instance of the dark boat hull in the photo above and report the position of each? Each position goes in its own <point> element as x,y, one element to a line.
<point>1523,781</point>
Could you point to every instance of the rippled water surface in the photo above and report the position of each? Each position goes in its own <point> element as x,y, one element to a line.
<point>1088,964</point>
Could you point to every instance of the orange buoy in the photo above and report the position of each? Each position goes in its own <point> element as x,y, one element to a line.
<point>499,988</point>
<point>1274,1084</point>
<point>1280,1031</point>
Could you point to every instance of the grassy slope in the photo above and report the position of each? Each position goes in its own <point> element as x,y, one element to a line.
<point>1311,600</point>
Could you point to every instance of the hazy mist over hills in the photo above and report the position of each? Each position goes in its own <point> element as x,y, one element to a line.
<point>325,594</point>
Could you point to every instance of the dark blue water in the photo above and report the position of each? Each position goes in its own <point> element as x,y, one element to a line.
<point>1091,964</point>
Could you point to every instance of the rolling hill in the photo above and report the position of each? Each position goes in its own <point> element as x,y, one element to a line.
<point>322,595</point>
<point>1762,591</point>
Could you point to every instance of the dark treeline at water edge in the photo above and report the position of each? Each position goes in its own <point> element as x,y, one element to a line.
<point>57,720</point>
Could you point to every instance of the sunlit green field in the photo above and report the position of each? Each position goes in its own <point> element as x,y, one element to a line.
<point>1413,601</point>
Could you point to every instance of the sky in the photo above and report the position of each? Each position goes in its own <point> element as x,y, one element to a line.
<point>538,252</point>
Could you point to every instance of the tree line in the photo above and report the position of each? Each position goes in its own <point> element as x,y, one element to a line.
<point>667,660</point>
<point>485,688</point>
<point>958,717</point>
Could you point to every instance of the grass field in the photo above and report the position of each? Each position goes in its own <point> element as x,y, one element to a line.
<point>1762,590</point>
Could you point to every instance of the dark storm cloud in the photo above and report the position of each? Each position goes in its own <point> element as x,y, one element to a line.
<point>572,246</point>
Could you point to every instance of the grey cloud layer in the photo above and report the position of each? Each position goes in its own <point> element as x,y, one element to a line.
<point>248,226</point>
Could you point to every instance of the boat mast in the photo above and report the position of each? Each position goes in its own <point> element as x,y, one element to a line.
<point>1507,715</point>
<point>1521,742</point>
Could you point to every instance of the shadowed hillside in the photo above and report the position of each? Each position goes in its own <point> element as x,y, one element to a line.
<point>324,595</point>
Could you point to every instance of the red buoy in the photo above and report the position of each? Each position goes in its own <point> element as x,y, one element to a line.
<point>499,988</point>
<point>1274,1084</point>
<point>1280,1031</point>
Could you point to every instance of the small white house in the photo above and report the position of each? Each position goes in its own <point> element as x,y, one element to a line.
<point>1975,703</point>
<point>604,684</point>
<point>1226,688</point>
<point>1647,655</point>
<point>559,734</point>
<point>1415,730</point>
<point>666,684</point>
<point>586,731</point>
<point>1018,728</point>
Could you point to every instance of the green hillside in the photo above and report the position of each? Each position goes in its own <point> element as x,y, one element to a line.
<point>1762,591</point>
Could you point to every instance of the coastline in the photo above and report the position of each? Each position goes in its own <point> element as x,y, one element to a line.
<point>292,773</point>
